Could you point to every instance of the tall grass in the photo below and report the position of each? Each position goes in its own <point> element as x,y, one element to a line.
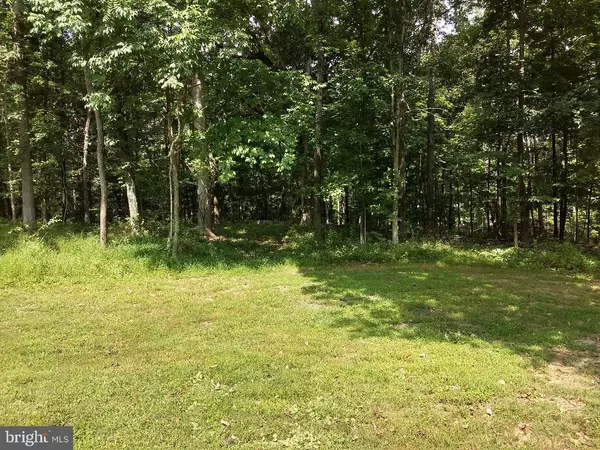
<point>60,253</point>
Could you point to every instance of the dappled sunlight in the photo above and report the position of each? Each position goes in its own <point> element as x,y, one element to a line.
<point>384,302</point>
<point>244,330</point>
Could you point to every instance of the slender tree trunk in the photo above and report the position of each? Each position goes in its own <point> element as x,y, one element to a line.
<point>363,221</point>
<point>65,190</point>
<point>174,144</point>
<point>102,179</point>
<point>44,211</point>
<point>471,212</point>
<point>130,185</point>
<point>576,234</point>
<point>204,180</point>
<point>101,164</point>
<point>318,155</point>
<point>588,215</point>
<point>458,215</point>
<point>555,182</point>
<point>564,188</point>
<point>346,205</point>
<point>305,201</point>
<point>399,113</point>
<point>28,198</point>
<point>85,185</point>
<point>11,194</point>
<point>522,191</point>
<point>450,205</point>
<point>217,207</point>
<point>132,201</point>
<point>538,184</point>
<point>430,150</point>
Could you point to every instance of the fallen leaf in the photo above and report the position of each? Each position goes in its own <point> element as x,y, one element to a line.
<point>230,440</point>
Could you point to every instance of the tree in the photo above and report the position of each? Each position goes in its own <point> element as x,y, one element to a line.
<point>21,79</point>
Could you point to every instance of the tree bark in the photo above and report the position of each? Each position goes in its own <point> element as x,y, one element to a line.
<point>65,190</point>
<point>85,185</point>
<point>318,152</point>
<point>555,182</point>
<point>132,201</point>
<point>44,211</point>
<point>362,222</point>
<point>306,217</point>
<point>522,191</point>
<point>101,164</point>
<point>11,194</point>
<point>27,192</point>
<point>398,115</point>
<point>430,149</point>
<point>174,140</point>
<point>204,180</point>
<point>564,187</point>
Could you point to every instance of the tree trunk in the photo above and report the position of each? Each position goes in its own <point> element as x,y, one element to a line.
<point>538,184</point>
<point>430,130</point>
<point>44,211</point>
<point>471,212</point>
<point>85,185</point>
<point>555,182</point>
<point>305,201</point>
<point>65,190</point>
<point>11,194</point>
<point>216,210</point>
<point>204,180</point>
<point>398,114</point>
<point>522,191</point>
<point>450,205</point>
<point>174,202</point>
<point>28,198</point>
<point>318,154</point>
<point>564,188</point>
<point>132,201</point>
<point>346,205</point>
<point>101,164</point>
<point>362,222</point>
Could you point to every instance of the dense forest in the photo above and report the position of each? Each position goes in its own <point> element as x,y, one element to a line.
<point>407,118</point>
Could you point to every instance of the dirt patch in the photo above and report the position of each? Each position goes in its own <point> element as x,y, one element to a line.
<point>523,433</point>
<point>569,376</point>
<point>569,404</point>
<point>593,343</point>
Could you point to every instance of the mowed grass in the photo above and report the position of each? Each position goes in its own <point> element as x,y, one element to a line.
<point>254,345</point>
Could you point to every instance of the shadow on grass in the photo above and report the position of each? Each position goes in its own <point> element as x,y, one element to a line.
<point>419,291</point>
<point>533,313</point>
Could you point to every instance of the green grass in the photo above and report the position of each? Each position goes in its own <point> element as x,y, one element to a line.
<point>423,346</point>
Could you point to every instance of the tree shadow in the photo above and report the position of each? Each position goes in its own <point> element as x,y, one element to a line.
<point>535,314</point>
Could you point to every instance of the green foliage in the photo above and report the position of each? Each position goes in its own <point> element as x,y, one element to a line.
<point>56,254</point>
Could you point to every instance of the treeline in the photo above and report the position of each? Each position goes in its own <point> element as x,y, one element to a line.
<point>423,117</point>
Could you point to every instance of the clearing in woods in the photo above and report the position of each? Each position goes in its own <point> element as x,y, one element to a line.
<point>137,353</point>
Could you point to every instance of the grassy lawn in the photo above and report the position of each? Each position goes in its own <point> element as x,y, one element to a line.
<point>271,351</point>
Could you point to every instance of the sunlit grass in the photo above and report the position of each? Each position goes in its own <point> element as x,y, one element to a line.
<point>252,337</point>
